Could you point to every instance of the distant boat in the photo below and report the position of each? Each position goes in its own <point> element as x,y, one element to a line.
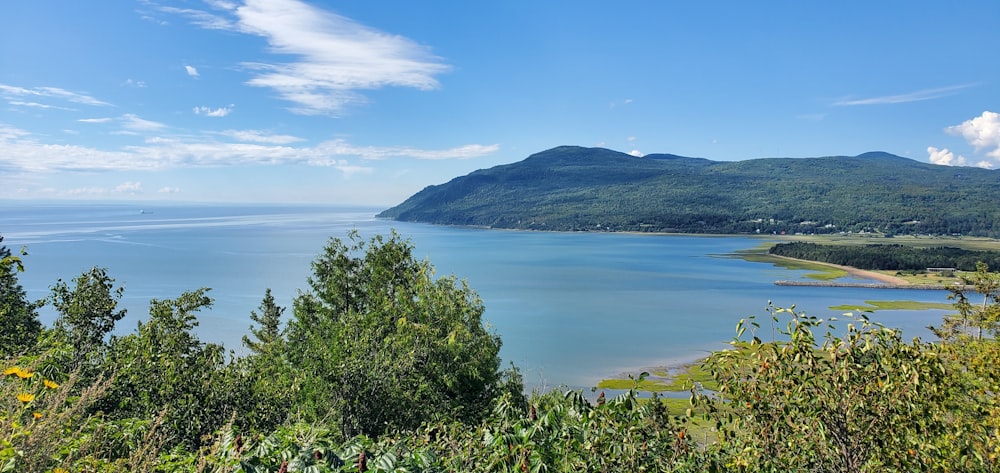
<point>143,211</point>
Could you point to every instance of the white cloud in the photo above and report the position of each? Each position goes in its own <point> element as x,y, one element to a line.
<point>335,56</point>
<point>636,153</point>
<point>11,133</point>
<point>10,92</point>
<point>191,71</point>
<point>260,137</point>
<point>213,112</point>
<point>134,83</point>
<point>340,147</point>
<point>945,157</point>
<point>84,191</point>
<point>169,190</point>
<point>129,188</point>
<point>982,132</point>
<point>95,120</point>
<point>342,166</point>
<point>920,95</point>
<point>24,154</point>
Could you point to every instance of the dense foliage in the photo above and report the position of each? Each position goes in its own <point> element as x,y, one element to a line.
<point>593,189</point>
<point>383,367</point>
<point>384,345</point>
<point>889,257</point>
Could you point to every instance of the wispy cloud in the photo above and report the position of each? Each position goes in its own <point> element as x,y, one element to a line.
<point>22,153</point>
<point>10,133</point>
<point>336,57</point>
<point>130,188</point>
<point>341,147</point>
<point>18,103</point>
<point>132,122</point>
<point>256,136</point>
<point>17,93</point>
<point>201,18</point>
<point>213,112</point>
<point>191,71</point>
<point>920,95</point>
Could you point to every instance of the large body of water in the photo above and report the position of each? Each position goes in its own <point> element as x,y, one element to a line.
<point>571,308</point>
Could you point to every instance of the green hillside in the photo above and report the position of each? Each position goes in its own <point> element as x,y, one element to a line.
<point>595,189</point>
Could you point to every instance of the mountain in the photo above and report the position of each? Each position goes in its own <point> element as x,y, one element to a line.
<point>596,189</point>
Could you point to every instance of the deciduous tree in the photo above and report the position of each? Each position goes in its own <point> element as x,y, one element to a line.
<point>88,310</point>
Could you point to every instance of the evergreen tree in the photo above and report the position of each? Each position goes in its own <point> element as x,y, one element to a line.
<point>268,317</point>
<point>19,324</point>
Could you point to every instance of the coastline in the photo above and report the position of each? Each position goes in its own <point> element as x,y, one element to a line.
<point>855,272</point>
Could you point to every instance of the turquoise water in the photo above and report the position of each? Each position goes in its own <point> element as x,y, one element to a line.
<point>571,308</point>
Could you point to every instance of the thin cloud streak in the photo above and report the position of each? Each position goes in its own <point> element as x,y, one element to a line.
<point>10,92</point>
<point>920,95</point>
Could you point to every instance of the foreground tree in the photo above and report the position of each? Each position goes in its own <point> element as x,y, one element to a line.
<point>19,324</point>
<point>164,372</point>
<point>88,312</point>
<point>974,316</point>
<point>264,376</point>
<point>382,345</point>
<point>863,401</point>
<point>974,360</point>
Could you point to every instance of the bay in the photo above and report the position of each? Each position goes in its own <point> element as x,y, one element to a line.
<point>571,308</point>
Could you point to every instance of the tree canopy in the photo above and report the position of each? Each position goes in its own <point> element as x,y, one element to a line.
<point>387,345</point>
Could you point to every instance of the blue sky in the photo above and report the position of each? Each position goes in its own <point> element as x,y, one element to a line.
<point>367,102</point>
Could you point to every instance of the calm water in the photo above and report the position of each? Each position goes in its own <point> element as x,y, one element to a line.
<point>571,308</point>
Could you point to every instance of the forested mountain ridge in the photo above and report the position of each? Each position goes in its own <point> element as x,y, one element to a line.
<point>596,189</point>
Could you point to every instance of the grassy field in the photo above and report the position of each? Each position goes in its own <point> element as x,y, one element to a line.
<point>968,243</point>
<point>873,306</point>
<point>679,379</point>
<point>823,272</point>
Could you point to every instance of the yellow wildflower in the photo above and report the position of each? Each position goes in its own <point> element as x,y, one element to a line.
<point>25,397</point>
<point>11,370</point>
<point>23,374</point>
<point>59,470</point>
<point>37,415</point>
<point>50,384</point>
